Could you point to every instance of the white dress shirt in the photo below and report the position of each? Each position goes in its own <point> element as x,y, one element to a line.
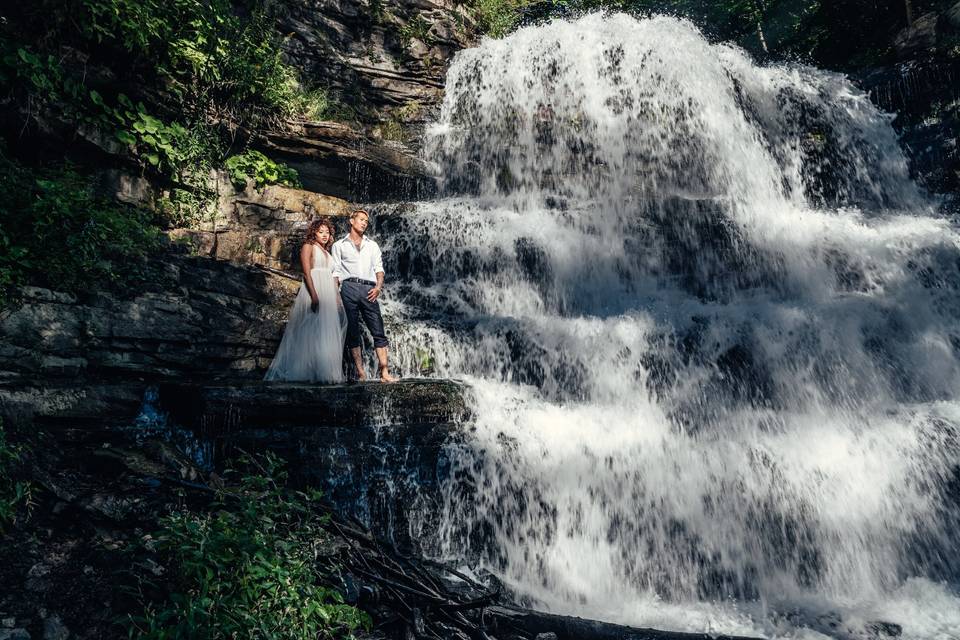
<point>350,263</point>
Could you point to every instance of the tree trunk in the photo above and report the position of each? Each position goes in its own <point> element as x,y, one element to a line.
<point>763,41</point>
<point>759,11</point>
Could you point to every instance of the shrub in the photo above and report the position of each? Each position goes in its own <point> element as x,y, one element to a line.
<point>13,493</point>
<point>209,70</point>
<point>318,104</point>
<point>263,170</point>
<point>55,232</point>
<point>248,569</point>
<point>497,18</point>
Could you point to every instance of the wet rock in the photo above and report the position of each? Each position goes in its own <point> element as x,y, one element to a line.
<point>919,37</point>
<point>226,409</point>
<point>923,89</point>
<point>377,451</point>
<point>128,188</point>
<point>953,15</point>
<point>340,160</point>
<point>880,630</point>
<point>259,226</point>
<point>212,318</point>
<point>54,629</point>
<point>368,55</point>
<point>50,404</point>
<point>504,620</point>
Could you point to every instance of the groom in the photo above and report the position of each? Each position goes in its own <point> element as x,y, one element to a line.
<point>358,270</point>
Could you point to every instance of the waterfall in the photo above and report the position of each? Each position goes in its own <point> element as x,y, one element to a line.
<point>710,326</point>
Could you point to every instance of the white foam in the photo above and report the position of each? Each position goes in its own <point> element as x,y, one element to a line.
<point>710,328</point>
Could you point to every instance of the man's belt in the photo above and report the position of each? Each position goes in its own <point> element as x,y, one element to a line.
<point>361,281</point>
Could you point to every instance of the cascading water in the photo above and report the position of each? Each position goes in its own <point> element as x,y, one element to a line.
<point>711,330</point>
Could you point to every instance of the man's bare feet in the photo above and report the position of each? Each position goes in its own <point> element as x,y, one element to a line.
<point>361,376</point>
<point>385,376</point>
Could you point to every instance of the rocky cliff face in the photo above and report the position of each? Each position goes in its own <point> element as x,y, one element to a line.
<point>259,226</point>
<point>343,161</point>
<point>206,318</point>
<point>922,89</point>
<point>380,56</point>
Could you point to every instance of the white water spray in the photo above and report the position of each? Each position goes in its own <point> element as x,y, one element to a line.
<point>710,324</point>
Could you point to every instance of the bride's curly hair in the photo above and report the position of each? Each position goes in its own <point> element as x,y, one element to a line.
<point>311,235</point>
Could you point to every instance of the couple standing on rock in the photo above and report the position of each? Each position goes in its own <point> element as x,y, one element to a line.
<point>342,282</point>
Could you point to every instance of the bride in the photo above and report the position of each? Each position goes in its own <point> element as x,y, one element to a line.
<point>312,345</point>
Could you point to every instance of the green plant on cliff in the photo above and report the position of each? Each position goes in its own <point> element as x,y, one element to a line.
<point>320,104</point>
<point>417,28</point>
<point>14,493</point>
<point>56,232</point>
<point>177,83</point>
<point>246,569</point>
<point>263,170</point>
<point>169,147</point>
<point>497,18</point>
<point>210,56</point>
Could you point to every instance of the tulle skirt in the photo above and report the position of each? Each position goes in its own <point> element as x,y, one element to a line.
<point>312,345</point>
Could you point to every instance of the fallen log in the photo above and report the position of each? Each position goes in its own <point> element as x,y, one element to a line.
<point>504,620</point>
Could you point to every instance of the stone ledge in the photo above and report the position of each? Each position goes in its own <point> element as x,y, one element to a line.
<point>339,160</point>
<point>227,408</point>
<point>376,450</point>
<point>89,406</point>
<point>216,409</point>
<point>206,318</point>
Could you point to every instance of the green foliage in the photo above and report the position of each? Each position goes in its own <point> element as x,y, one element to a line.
<point>424,360</point>
<point>415,28</point>
<point>497,18</point>
<point>760,25</point>
<point>215,60</point>
<point>14,493</point>
<point>263,170</point>
<point>170,148</point>
<point>318,104</point>
<point>248,569</point>
<point>204,72</point>
<point>55,232</point>
<point>392,129</point>
<point>210,57</point>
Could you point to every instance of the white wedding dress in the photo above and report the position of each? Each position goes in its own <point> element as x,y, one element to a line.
<point>312,345</point>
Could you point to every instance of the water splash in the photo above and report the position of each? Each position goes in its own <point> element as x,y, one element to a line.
<point>152,422</point>
<point>711,328</point>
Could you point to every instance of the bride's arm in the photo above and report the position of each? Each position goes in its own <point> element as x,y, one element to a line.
<point>337,270</point>
<point>306,260</point>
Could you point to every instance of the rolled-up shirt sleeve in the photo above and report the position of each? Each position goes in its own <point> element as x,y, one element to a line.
<point>337,262</point>
<point>377,260</point>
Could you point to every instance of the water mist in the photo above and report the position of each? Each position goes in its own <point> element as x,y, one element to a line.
<point>711,329</point>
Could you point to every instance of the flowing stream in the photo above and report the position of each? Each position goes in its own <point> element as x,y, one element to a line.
<point>711,328</point>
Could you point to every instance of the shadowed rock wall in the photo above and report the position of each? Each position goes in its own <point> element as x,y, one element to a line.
<point>378,55</point>
<point>922,89</point>
<point>205,318</point>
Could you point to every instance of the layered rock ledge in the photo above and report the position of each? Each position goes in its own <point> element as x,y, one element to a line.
<point>376,450</point>
<point>222,410</point>
<point>337,159</point>
<point>200,318</point>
